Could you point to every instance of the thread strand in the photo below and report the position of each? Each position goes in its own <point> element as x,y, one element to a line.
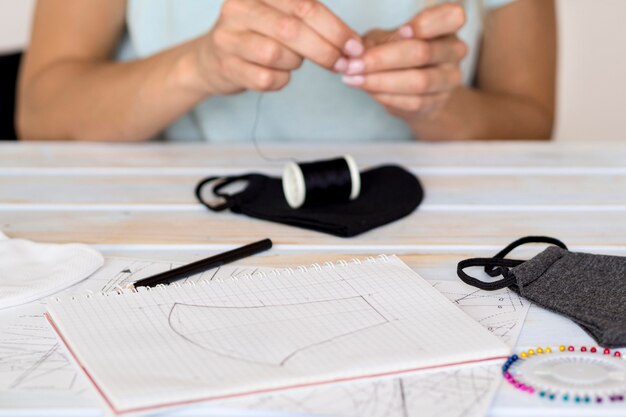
<point>254,131</point>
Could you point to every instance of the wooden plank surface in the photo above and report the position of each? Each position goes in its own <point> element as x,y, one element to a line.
<point>422,230</point>
<point>488,191</point>
<point>478,195</point>
<point>202,157</point>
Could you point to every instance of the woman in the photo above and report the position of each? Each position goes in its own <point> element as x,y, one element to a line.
<point>195,69</point>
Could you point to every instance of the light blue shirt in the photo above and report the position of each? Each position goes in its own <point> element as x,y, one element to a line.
<point>316,105</point>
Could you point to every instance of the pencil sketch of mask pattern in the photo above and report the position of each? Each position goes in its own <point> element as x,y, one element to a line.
<point>250,333</point>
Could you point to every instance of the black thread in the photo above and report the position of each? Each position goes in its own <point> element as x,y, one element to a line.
<point>327,181</point>
<point>253,134</point>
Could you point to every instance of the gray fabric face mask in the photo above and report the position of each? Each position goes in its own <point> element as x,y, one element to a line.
<point>589,289</point>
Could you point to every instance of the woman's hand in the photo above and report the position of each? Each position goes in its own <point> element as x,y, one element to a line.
<point>256,44</point>
<point>412,71</point>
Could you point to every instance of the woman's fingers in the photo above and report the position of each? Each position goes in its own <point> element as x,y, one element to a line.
<point>434,22</point>
<point>261,50</point>
<point>323,21</point>
<point>410,81</point>
<point>377,37</point>
<point>413,70</point>
<point>255,77</point>
<point>424,104</point>
<point>411,53</point>
<point>257,43</point>
<point>288,30</point>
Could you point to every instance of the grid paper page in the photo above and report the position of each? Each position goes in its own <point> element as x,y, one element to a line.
<point>178,345</point>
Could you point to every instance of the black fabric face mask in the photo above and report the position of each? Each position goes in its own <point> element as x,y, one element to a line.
<point>387,194</point>
<point>589,289</point>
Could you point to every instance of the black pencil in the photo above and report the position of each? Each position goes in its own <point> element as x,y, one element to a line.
<point>203,265</point>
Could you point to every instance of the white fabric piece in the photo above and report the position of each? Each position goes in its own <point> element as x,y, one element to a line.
<point>30,271</point>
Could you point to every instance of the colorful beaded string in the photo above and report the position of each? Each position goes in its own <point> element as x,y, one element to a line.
<point>566,397</point>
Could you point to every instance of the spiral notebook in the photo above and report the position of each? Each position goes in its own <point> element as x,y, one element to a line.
<point>277,330</point>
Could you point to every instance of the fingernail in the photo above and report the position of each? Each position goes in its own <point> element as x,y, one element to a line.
<point>354,48</point>
<point>406,32</point>
<point>341,65</point>
<point>354,80</point>
<point>355,67</point>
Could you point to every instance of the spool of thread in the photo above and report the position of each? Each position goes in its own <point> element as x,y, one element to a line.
<point>322,182</point>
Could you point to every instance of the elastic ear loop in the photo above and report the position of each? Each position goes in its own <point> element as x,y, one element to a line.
<point>224,181</point>
<point>502,266</point>
<point>494,272</point>
<point>498,265</point>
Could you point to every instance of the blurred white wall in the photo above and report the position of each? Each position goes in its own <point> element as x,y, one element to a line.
<point>592,93</point>
<point>15,18</point>
<point>592,97</point>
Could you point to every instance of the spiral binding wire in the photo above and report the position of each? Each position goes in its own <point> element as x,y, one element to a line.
<point>118,290</point>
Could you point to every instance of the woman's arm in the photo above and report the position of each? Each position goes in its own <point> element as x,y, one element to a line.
<point>515,92</point>
<point>71,88</point>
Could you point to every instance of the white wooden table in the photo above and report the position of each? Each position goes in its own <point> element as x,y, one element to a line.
<point>138,201</point>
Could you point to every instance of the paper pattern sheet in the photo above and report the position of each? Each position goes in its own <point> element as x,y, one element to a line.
<point>32,360</point>
<point>347,321</point>
<point>457,393</point>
